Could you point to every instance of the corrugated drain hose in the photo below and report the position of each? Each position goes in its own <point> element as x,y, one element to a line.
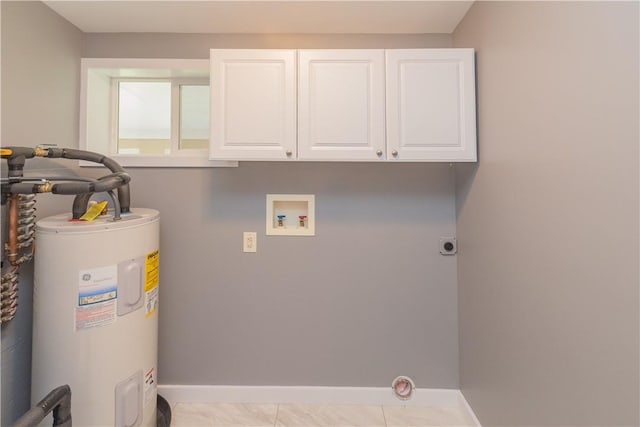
<point>57,401</point>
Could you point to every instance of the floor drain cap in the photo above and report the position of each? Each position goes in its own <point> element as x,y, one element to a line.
<point>403,387</point>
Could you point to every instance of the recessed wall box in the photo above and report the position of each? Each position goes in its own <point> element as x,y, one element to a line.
<point>291,215</point>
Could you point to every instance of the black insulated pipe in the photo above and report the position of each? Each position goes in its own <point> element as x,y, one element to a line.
<point>106,183</point>
<point>81,201</point>
<point>16,166</point>
<point>57,401</point>
<point>23,188</point>
<point>16,157</point>
<point>14,152</point>
<point>112,165</point>
<point>118,179</point>
<point>80,204</point>
<point>103,184</point>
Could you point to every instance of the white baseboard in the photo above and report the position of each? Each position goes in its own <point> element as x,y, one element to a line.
<point>314,395</point>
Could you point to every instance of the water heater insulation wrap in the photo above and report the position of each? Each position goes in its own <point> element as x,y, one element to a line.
<point>96,316</point>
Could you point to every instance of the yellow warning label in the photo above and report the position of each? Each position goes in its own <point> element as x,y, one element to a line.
<point>152,270</point>
<point>151,280</point>
<point>94,211</point>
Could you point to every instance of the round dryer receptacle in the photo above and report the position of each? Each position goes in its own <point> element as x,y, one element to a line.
<point>448,246</point>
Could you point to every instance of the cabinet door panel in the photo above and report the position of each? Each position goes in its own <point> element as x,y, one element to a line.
<point>341,105</point>
<point>253,104</point>
<point>431,105</point>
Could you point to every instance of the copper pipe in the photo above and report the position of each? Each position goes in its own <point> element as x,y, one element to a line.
<point>11,247</point>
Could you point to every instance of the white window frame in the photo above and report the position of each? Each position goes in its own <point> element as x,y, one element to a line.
<point>176,118</point>
<point>177,71</point>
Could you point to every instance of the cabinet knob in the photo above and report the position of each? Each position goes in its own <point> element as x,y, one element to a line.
<point>379,153</point>
<point>289,153</point>
<point>394,153</point>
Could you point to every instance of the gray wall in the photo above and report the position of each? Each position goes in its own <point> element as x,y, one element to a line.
<point>548,222</point>
<point>367,299</point>
<point>40,90</point>
<point>159,45</point>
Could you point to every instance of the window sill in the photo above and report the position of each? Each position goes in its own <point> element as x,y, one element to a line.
<point>164,162</point>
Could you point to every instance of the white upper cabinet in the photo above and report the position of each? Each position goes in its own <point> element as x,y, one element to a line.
<point>431,109</point>
<point>253,104</point>
<point>415,105</point>
<point>341,105</point>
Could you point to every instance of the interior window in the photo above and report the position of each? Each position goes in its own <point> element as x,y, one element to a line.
<point>144,117</point>
<point>147,112</point>
<point>194,117</point>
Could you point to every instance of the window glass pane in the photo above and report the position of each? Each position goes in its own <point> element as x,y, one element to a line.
<point>144,118</point>
<point>194,116</point>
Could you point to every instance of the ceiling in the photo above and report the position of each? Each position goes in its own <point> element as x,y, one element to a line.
<point>263,16</point>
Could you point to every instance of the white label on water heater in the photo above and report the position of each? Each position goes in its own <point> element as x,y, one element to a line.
<point>150,392</point>
<point>97,296</point>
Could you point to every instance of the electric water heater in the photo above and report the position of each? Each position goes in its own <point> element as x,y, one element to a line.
<point>95,316</point>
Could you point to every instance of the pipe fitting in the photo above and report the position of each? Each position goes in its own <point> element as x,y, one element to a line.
<point>40,152</point>
<point>45,187</point>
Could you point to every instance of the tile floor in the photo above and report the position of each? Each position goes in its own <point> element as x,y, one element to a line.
<point>298,415</point>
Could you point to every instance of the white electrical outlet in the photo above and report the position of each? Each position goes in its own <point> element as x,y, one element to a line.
<point>249,241</point>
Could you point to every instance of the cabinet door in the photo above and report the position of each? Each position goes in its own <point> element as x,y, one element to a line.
<point>341,105</point>
<point>253,104</point>
<point>431,109</point>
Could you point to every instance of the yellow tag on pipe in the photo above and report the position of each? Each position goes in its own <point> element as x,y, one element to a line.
<point>94,211</point>
<point>6,151</point>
